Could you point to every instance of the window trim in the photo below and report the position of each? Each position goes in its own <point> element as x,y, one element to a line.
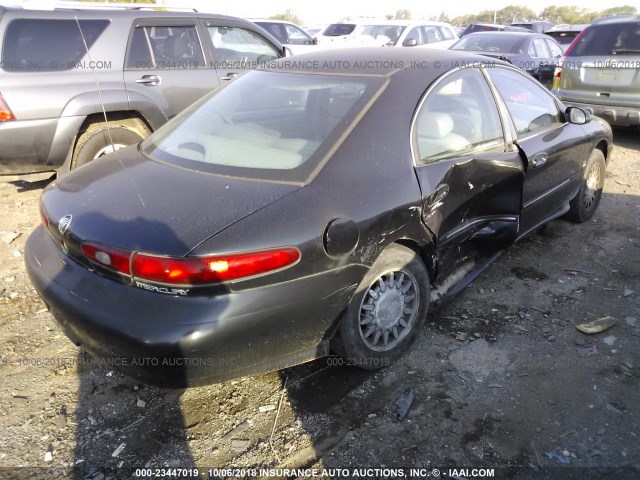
<point>507,137</point>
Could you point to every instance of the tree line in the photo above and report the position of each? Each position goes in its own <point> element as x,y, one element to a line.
<point>557,15</point>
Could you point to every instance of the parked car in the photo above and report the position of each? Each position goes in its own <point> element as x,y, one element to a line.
<point>288,34</point>
<point>63,71</point>
<point>314,30</point>
<point>402,33</point>
<point>537,26</point>
<point>601,71</point>
<point>289,212</point>
<point>489,27</point>
<point>565,34</point>
<point>535,53</point>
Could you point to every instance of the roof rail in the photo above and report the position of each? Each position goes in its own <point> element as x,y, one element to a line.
<point>615,19</point>
<point>78,5</point>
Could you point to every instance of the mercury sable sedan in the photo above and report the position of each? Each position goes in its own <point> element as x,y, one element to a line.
<point>293,213</point>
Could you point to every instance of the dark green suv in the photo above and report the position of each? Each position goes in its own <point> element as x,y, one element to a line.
<point>601,71</point>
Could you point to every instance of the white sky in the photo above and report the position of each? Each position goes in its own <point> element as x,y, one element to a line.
<point>325,11</point>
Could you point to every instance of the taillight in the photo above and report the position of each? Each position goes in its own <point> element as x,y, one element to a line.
<point>211,269</point>
<point>190,270</point>
<point>110,257</point>
<point>44,217</point>
<point>6,114</point>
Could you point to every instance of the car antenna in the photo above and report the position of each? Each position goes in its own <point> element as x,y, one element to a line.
<point>95,76</point>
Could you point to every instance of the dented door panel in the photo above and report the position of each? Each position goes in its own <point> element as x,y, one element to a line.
<point>482,202</point>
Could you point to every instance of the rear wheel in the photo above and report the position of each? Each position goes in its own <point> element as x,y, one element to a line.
<point>586,201</point>
<point>387,311</point>
<point>97,142</point>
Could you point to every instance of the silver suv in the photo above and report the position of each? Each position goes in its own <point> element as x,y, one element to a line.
<point>601,71</point>
<point>63,71</point>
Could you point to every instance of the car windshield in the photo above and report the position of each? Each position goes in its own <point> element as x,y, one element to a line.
<point>499,42</point>
<point>265,125</point>
<point>383,34</point>
<point>609,39</point>
<point>339,29</point>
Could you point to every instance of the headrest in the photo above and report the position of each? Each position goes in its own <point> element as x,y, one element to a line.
<point>176,47</point>
<point>435,125</point>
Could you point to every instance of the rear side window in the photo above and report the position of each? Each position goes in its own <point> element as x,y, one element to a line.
<point>609,39</point>
<point>167,47</point>
<point>538,49</point>
<point>446,33</point>
<point>339,29</point>
<point>48,45</point>
<point>554,49</point>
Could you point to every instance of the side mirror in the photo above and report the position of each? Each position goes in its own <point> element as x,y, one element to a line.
<point>577,115</point>
<point>315,41</point>
<point>286,52</point>
<point>410,42</point>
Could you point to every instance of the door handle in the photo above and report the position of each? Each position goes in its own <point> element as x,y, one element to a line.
<point>539,160</point>
<point>441,191</point>
<point>149,80</point>
<point>230,76</point>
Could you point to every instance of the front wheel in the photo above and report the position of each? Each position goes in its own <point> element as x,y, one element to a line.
<point>387,311</point>
<point>586,201</point>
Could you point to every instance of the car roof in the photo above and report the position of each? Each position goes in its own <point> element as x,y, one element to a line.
<point>387,62</point>
<point>13,12</point>
<point>565,27</point>
<point>509,33</point>
<point>617,19</point>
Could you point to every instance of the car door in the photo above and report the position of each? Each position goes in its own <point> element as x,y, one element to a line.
<point>552,148</point>
<point>165,64</point>
<point>236,48</point>
<point>470,174</point>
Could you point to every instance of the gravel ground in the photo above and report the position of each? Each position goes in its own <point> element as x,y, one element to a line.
<point>499,378</point>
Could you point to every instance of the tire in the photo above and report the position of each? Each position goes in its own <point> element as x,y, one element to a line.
<point>586,201</point>
<point>378,326</point>
<point>96,142</point>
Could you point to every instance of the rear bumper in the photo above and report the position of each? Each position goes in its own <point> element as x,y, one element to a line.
<point>173,341</point>
<point>614,115</point>
<point>34,146</point>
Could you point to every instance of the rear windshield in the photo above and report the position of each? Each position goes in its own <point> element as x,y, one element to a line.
<point>339,29</point>
<point>609,39</point>
<point>48,45</point>
<point>481,28</point>
<point>499,43</point>
<point>563,38</point>
<point>265,125</point>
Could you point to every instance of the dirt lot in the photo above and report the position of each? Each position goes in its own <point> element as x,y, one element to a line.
<point>500,377</point>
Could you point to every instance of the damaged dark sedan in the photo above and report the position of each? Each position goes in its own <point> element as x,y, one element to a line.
<point>315,205</point>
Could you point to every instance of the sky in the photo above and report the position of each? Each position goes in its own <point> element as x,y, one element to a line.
<point>313,12</point>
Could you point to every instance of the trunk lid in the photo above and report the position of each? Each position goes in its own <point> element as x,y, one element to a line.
<point>146,206</point>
